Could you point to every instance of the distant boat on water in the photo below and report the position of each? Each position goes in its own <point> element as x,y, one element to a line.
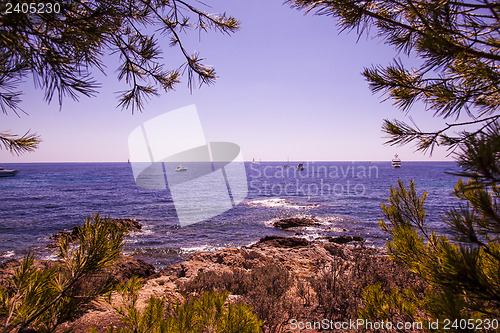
<point>287,165</point>
<point>396,162</point>
<point>8,173</point>
<point>180,168</point>
<point>300,166</point>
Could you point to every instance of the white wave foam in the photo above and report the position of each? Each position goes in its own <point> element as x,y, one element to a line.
<point>52,257</point>
<point>8,254</point>
<point>201,248</point>
<point>270,223</point>
<point>279,202</point>
<point>143,232</point>
<point>328,220</point>
<point>311,237</point>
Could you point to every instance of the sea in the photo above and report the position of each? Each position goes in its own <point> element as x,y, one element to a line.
<point>344,197</point>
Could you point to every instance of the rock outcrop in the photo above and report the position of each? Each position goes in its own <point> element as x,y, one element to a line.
<point>291,242</point>
<point>127,225</point>
<point>129,267</point>
<point>126,268</point>
<point>294,222</point>
<point>345,239</point>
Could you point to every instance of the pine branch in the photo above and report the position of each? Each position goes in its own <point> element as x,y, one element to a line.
<point>41,296</point>
<point>457,42</point>
<point>401,133</point>
<point>355,13</point>
<point>60,50</point>
<point>19,144</point>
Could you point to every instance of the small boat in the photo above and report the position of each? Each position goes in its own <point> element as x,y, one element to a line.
<point>180,168</point>
<point>396,162</point>
<point>253,160</point>
<point>300,166</point>
<point>8,173</point>
<point>287,165</point>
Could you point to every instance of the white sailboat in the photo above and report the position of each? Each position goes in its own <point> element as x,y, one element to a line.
<point>287,165</point>
<point>8,173</point>
<point>180,168</point>
<point>396,162</point>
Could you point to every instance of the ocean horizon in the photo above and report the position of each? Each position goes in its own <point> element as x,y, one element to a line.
<point>344,197</point>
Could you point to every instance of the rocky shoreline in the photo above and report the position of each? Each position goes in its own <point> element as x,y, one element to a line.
<point>282,278</point>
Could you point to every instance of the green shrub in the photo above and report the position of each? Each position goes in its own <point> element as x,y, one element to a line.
<point>205,313</point>
<point>236,281</point>
<point>43,298</point>
<point>462,276</point>
<point>339,287</point>
<point>263,288</point>
<point>393,305</point>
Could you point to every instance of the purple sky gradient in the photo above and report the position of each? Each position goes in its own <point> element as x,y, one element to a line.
<point>289,87</point>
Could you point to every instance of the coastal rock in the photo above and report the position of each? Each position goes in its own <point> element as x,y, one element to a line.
<point>289,242</point>
<point>127,225</point>
<point>61,235</point>
<point>7,270</point>
<point>123,271</point>
<point>129,267</point>
<point>295,222</point>
<point>345,239</point>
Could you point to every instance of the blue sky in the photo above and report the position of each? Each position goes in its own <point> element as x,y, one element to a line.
<point>289,86</point>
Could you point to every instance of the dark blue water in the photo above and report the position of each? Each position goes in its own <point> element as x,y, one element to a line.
<point>344,196</point>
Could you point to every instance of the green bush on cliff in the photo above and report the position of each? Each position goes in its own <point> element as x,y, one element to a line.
<point>44,297</point>
<point>463,274</point>
<point>263,288</point>
<point>340,286</point>
<point>206,313</point>
<point>395,306</point>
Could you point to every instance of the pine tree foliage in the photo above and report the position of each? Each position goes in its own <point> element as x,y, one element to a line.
<point>206,313</point>
<point>399,307</point>
<point>59,49</point>
<point>481,157</point>
<point>43,298</point>
<point>19,144</point>
<point>463,275</point>
<point>458,43</point>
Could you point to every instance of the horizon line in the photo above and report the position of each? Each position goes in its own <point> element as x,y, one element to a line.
<point>249,161</point>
